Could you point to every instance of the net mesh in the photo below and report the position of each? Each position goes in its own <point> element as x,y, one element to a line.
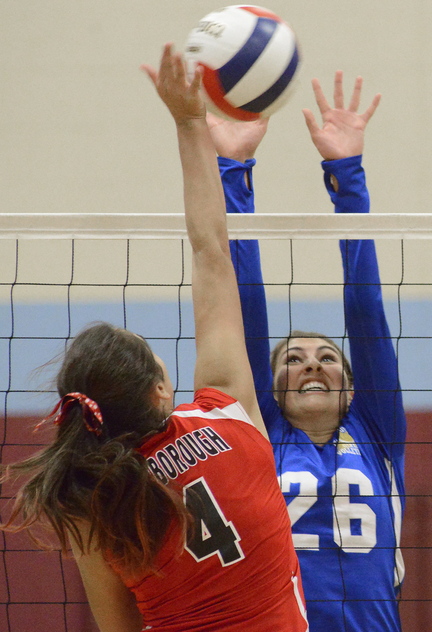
<point>59,275</point>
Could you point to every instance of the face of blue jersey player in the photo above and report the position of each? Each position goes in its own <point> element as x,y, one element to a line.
<point>312,386</point>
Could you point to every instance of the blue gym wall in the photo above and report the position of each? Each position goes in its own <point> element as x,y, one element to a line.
<point>39,331</point>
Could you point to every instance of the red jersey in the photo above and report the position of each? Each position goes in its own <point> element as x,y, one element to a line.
<point>239,570</point>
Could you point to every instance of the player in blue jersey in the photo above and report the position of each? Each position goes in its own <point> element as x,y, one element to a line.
<point>338,436</point>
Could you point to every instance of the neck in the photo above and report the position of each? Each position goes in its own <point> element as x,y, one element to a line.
<point>319,428</point>
<point>320,437</point>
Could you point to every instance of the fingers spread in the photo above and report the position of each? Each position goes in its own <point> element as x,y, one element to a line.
<point>319,97</point>
<point>338,90</point>
<point>355,98</point>
<point>371,109</point>
<point>197,79</point>
<point>311,123</point>
<point>178,68</point>
<point>150,72</point>
<point>166,63</point>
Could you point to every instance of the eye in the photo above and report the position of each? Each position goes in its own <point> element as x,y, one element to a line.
<point>292,359</point>
<point>329,357</point>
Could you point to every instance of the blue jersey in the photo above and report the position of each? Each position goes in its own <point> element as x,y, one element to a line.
<point>345,498</point>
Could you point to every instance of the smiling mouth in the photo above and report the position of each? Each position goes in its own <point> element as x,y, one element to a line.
<point>316,387</point>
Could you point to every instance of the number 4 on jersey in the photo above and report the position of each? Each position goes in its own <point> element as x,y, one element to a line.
<point>212,533</point>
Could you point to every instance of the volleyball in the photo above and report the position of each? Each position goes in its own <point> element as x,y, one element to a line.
<point>249,57</point>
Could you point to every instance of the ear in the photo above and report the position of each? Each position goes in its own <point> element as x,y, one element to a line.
<point>160,393</point>
<point>350,396</point>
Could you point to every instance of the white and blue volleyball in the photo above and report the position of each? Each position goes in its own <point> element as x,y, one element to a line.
<point>249,57</point>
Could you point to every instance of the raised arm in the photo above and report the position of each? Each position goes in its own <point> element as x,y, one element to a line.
<point>236,144</point>
<point>222,361</point>
<point>340,142</point>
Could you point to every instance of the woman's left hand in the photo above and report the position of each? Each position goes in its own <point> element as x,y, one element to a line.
<point>342,133</point>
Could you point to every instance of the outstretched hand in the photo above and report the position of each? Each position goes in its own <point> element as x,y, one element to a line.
<point>182,97</point>
<point>342,133</point>
<point>237,140</point>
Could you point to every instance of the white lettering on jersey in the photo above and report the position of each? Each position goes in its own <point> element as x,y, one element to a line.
<point>354,523</point>
<point>300,504</point>
<point>347,512</point>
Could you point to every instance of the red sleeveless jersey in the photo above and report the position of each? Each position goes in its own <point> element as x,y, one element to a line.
<point>239,570</point>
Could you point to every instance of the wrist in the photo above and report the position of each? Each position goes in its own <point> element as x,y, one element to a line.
<point>236,164</point>
<point>337,164</point>
<point>190,123</point>
<point>239,157</point>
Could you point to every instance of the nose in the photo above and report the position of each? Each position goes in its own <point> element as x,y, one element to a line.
<point>313,364</point>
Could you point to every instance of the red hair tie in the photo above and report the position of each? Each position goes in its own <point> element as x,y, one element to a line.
<point>90,410</point>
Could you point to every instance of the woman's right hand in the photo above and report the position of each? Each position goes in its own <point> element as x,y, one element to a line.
<point>182,98</point>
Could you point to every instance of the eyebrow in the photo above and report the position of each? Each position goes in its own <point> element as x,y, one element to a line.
<point>329,347</point>
<point>318,349</point>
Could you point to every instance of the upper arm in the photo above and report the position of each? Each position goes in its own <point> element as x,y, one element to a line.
<point>222,360</point>
<point>113,605</point>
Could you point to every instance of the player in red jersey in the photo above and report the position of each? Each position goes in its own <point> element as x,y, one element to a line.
<point>175,518</point>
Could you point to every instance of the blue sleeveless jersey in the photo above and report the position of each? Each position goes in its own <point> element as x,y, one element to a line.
<point>345,499</point>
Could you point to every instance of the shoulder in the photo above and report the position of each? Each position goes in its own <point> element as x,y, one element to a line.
<point>359,428</point>
<point>278,427</point>
<point>214,424</point>
<point>211,409</point>
<point>210,403</point>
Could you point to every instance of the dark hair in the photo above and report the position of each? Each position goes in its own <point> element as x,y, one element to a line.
<point>103,479</point>
<point>296,333</point>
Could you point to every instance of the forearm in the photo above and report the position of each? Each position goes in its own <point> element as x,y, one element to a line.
<point>346,183</point>
<point>203,193</point>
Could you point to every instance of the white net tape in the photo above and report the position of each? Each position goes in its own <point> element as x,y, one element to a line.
<point>248,226</point>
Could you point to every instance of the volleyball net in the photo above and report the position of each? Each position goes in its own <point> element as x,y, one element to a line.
<point>60,272</point>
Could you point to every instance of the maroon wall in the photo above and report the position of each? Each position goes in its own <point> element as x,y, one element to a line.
<point>416,601</point>
<point>41,591</point>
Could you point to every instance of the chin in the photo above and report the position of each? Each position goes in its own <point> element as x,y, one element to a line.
<point>315,403</point>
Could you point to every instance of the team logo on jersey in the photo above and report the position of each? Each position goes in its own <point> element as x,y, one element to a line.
<point>345,443</point>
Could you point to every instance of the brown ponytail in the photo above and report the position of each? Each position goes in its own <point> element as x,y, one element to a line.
<point>100,477</point>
